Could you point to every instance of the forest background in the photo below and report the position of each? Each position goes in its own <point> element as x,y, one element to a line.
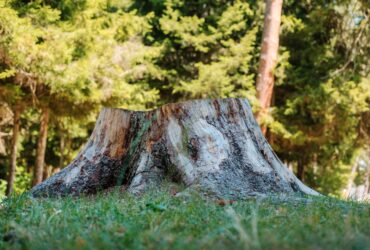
<point>62,61</point>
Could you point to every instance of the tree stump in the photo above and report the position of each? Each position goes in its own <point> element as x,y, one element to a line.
<point>214,145</point>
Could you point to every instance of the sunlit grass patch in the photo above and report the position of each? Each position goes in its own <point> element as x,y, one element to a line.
<point>160,220</point>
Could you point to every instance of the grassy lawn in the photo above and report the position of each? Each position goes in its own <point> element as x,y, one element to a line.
<point>159,220</point>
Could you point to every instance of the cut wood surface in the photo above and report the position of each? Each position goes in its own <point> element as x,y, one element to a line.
<point>213,145</point>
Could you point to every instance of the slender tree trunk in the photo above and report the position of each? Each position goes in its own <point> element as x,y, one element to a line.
<point>351,179</point>
<point>269,53</point>
<point>290,166</point>
<point>62,146</point>
<point>14,151</point>
<point>367,178</point>
<point>54,170</point>
<point>300,170</point>
<point>44,173</point>
<point>367,183</point>
<point>47,172</point>
<point>41,147</point>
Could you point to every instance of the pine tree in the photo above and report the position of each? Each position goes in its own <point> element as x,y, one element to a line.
<point>269,54</point>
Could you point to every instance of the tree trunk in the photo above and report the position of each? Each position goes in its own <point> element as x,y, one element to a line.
<point>214,146</point>
<point>367,178</point>
<point>351,178</point>
<point>367,184</point>
<point>269,53</point>
<point>47,170</point>
<point>14,151</point>
<point>290,166</point>
<point>41,147</point>
<point>55,170</point>
<point>300,170</point>
<point>62,145</point>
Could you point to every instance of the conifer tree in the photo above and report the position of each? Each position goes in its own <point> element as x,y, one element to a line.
<point>269,54</point>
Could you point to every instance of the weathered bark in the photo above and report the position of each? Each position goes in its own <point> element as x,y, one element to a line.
<point>41,147</point>
<point>14,151</point>
<point>213,145</point>
<point>269,53</point>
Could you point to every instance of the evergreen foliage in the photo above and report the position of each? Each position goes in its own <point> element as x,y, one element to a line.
<point>74,57</point>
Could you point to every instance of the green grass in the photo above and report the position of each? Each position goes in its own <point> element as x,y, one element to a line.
<point>158,220</point>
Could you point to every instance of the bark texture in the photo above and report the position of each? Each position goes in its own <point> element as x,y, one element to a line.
<point>41,147</point>
<point>14,150</point>
<point>214,145</point>
<point>269,54</point>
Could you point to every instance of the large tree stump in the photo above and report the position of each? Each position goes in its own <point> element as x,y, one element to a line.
<point>215,145</point>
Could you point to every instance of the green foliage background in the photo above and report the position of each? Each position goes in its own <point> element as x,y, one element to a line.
<point>73,57</point>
